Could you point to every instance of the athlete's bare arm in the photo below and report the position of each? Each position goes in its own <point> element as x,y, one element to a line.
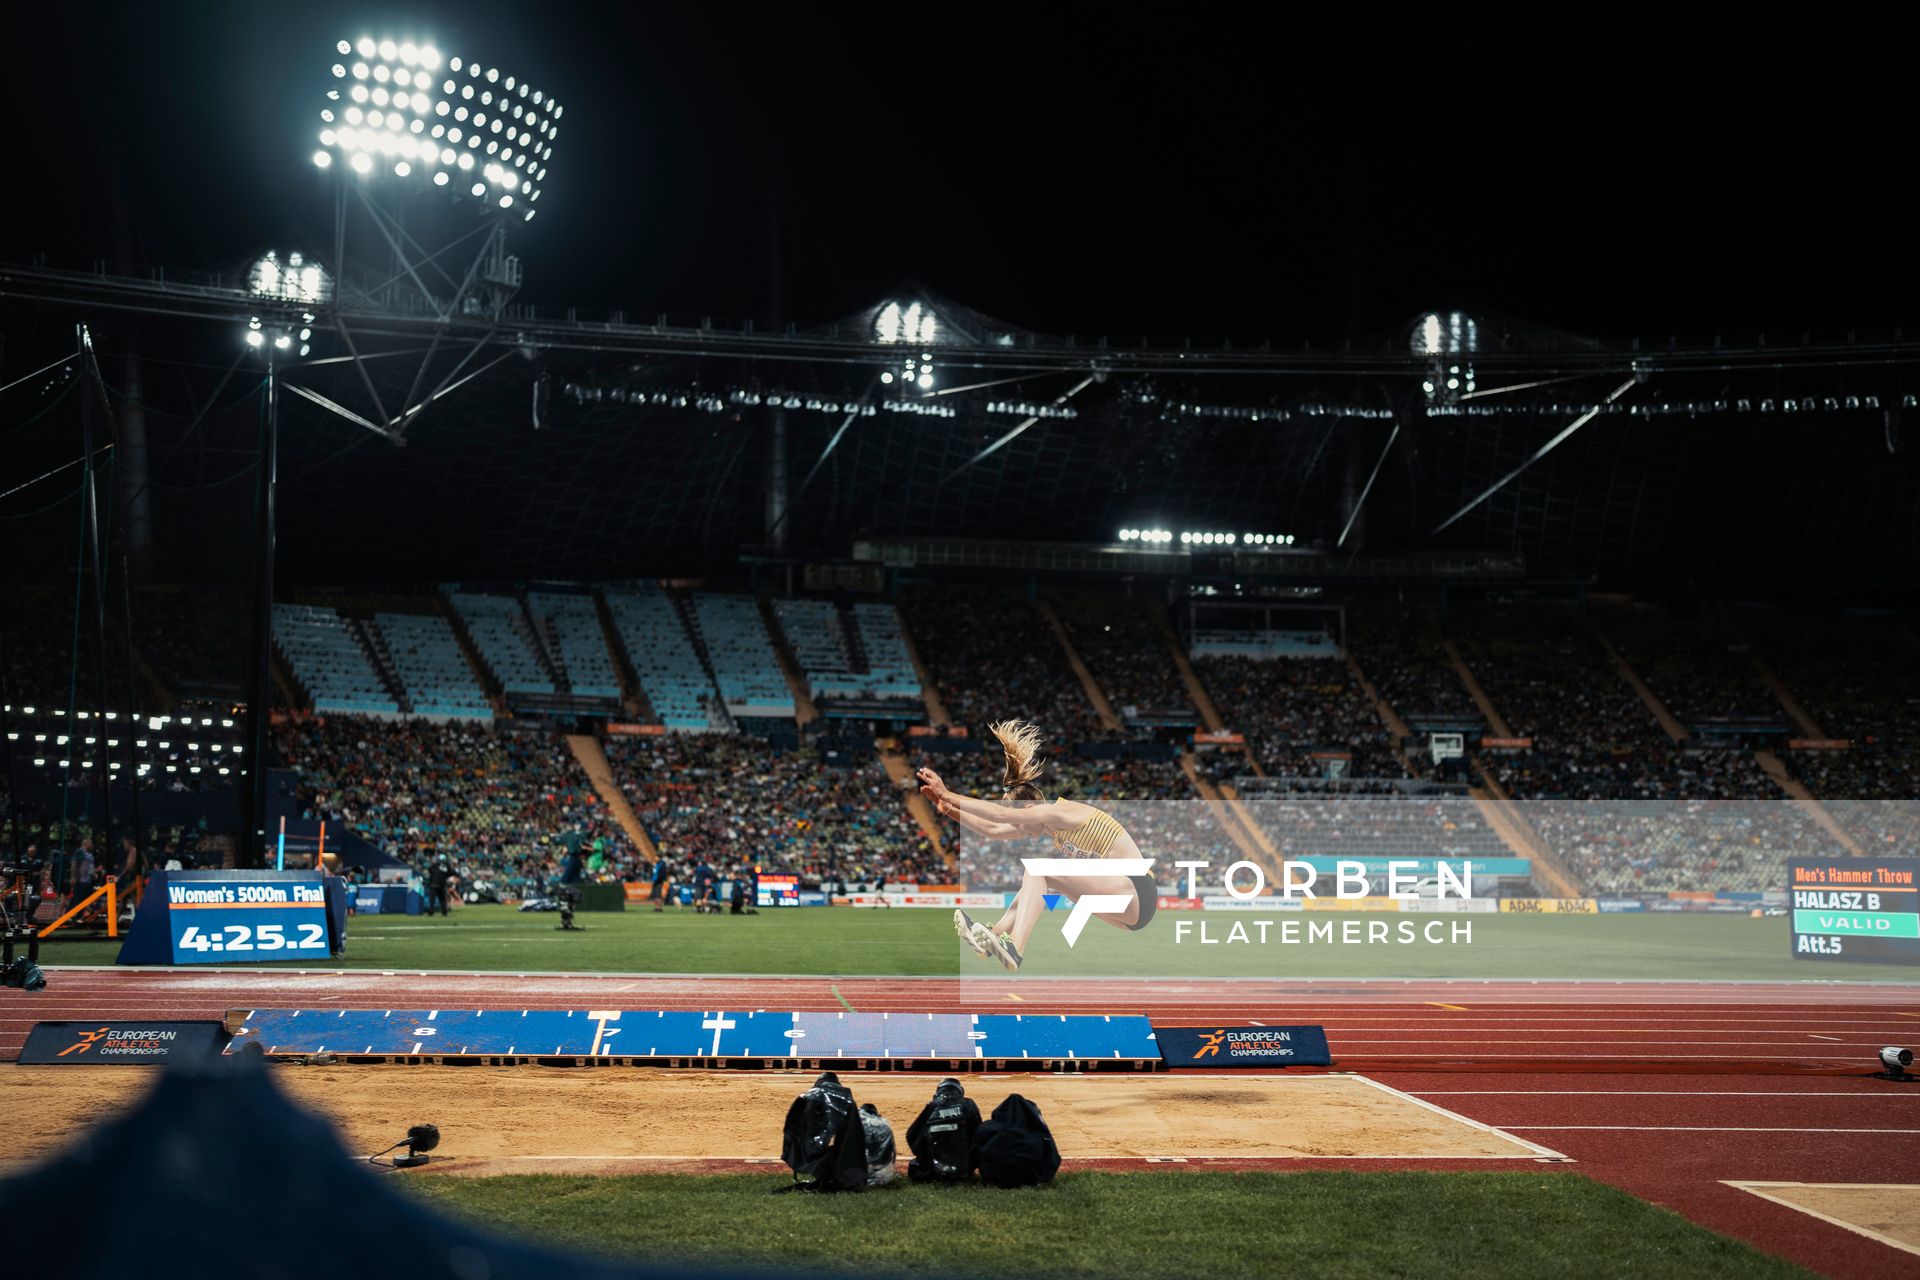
<point>979,826</point>
<point>1030,820</point>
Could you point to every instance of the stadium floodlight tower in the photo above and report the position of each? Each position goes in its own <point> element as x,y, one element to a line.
<point>913,325</point>
<point>398,123</point>
<point>401,122</point>
<point>1448,342</point>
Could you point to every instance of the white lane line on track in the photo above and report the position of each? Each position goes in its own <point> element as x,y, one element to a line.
<point>1358,1020</point>
<point>1362,1003</point>
<point>1352,1012</point>
<point>49,1010</point>
<point>1550,1058</point>
<point>1689,1128</point>
<point>43,1011</point>
<point>1527,1035</point>
<point>1472,1040</point>
<point>1344,1023</point>
<point>1298,990</point>
<point>1457,1117</point>
<point>456,1161</point>
<point>1470,983</point>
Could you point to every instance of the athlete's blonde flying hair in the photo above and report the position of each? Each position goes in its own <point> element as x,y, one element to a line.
<point>1021,742</point>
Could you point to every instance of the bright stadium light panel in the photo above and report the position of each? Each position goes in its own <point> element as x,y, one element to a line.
<point>289,278</point>
<point>397,105</point>
<point>911,324</point>
<point>1445,339</point>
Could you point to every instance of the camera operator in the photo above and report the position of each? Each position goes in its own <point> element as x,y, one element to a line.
<point>746,891</point>
<point>81,871</point>
<point>662,882</point>
<point>567,887</point>
<point>438,876</point>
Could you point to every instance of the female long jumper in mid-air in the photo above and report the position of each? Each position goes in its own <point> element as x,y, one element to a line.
<point>1076,829</point>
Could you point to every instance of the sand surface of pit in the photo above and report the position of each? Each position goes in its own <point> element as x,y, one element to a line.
<point>495,1116</point>
<point>1887,1212</point>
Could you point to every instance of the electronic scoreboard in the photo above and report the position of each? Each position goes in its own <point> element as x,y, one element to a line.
<point>237,916</point>
<point>778,891</point>
<point>1855,908</point>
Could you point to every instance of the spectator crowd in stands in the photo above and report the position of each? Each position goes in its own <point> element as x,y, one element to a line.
<point>723,799</point>
<point>1289,709</point>
<point>1858,680</point>
<point>38,634</point>
<point>196,641</point>
<point>1675,814</point>
<point>1657,846</point>
<point>499,803</point>
<point>991,656</point>
<point>1698,668</point>
<point>1593,736</point>
<point>1125,643</point>
<point>1401,652</point>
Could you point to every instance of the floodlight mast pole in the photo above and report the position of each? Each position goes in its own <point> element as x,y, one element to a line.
<point>89,376</point>
<point>253,851</point>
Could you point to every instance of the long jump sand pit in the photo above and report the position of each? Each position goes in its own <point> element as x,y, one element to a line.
<point>621,1119</point>
<point>1887,1212</point>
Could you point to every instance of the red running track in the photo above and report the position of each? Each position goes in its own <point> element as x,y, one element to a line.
<point>1664,1089</point>
<point>1441,1025</point>
<point>1677,1140</point>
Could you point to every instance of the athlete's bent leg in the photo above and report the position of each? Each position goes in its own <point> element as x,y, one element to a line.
<point>1030,903</point>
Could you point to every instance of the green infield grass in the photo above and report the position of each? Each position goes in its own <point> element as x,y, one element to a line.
<point>854,941</point>
<point>1141,1225</point>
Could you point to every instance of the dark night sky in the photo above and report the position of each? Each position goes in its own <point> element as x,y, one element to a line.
<point>1094,170</point>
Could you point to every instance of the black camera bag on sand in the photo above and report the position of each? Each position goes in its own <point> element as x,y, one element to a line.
<point>824,1138</point>
<point>1014,1148</point>
<point>941,1136</point>
<point>880,1153</point>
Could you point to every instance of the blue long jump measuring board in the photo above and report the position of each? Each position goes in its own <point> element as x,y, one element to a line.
<point>452,1033</point>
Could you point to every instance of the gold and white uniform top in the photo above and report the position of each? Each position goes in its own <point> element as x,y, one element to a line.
<point>1095,836</point>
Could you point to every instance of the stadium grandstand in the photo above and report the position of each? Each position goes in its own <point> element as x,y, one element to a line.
<point>745,667</point>
<point>1559,722</point>
<point>503,633</point>
<point>569,626</point>
<point>672,675</point>
<point>425,657</point>
<point>329,660</point>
